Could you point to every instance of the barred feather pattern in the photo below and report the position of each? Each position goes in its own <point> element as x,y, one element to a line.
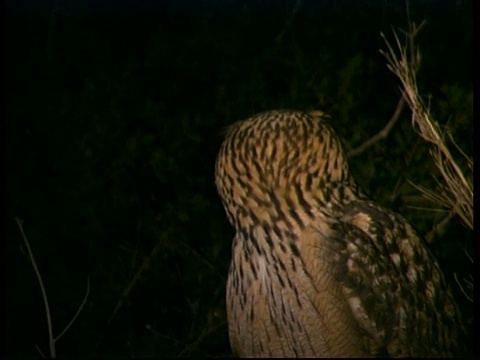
<point>318,269</point>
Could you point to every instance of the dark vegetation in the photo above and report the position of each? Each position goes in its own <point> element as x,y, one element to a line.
<point>111,130</point>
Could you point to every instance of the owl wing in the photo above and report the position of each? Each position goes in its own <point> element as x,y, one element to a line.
<point>393,284</point>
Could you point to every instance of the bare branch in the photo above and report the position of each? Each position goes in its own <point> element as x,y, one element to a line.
<point>40,351</point>
<point>414,63</point>
<point>77,313</point>
<point>289,21</point>
<point>382,134</point>
<point>51,339</point>
<point>468,284</point>
<point>438,227</point>
<point>205,333</point>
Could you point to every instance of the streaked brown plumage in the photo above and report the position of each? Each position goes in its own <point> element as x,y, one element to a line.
<point>317,268</point>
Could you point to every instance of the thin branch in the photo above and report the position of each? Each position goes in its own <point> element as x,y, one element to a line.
<point>414,61</point>
<point>202,259</point>
<point>469,285</point>
<point>40,351</point>
<point>163,336</point>
<point>382,134</point>
<point>200,339</point>
<point>438,227</point>
<point>136,277</point>
<point>289,21</point>
<point>77,313</point>
<point>51,339</point>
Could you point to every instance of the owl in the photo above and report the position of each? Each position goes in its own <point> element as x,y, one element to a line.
<point>319,269</point>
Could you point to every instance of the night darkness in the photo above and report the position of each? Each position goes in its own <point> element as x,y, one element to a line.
<point>115,112</point>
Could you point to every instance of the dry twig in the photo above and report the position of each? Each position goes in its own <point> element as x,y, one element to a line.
<point>51,339</point>
<point>456,192</point>
<point>382,134</point>
<point>413,59</point>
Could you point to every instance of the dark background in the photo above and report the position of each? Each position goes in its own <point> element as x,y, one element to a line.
<point>114,115</point>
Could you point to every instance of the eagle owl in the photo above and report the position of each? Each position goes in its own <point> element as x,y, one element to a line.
<point>318,269</point>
